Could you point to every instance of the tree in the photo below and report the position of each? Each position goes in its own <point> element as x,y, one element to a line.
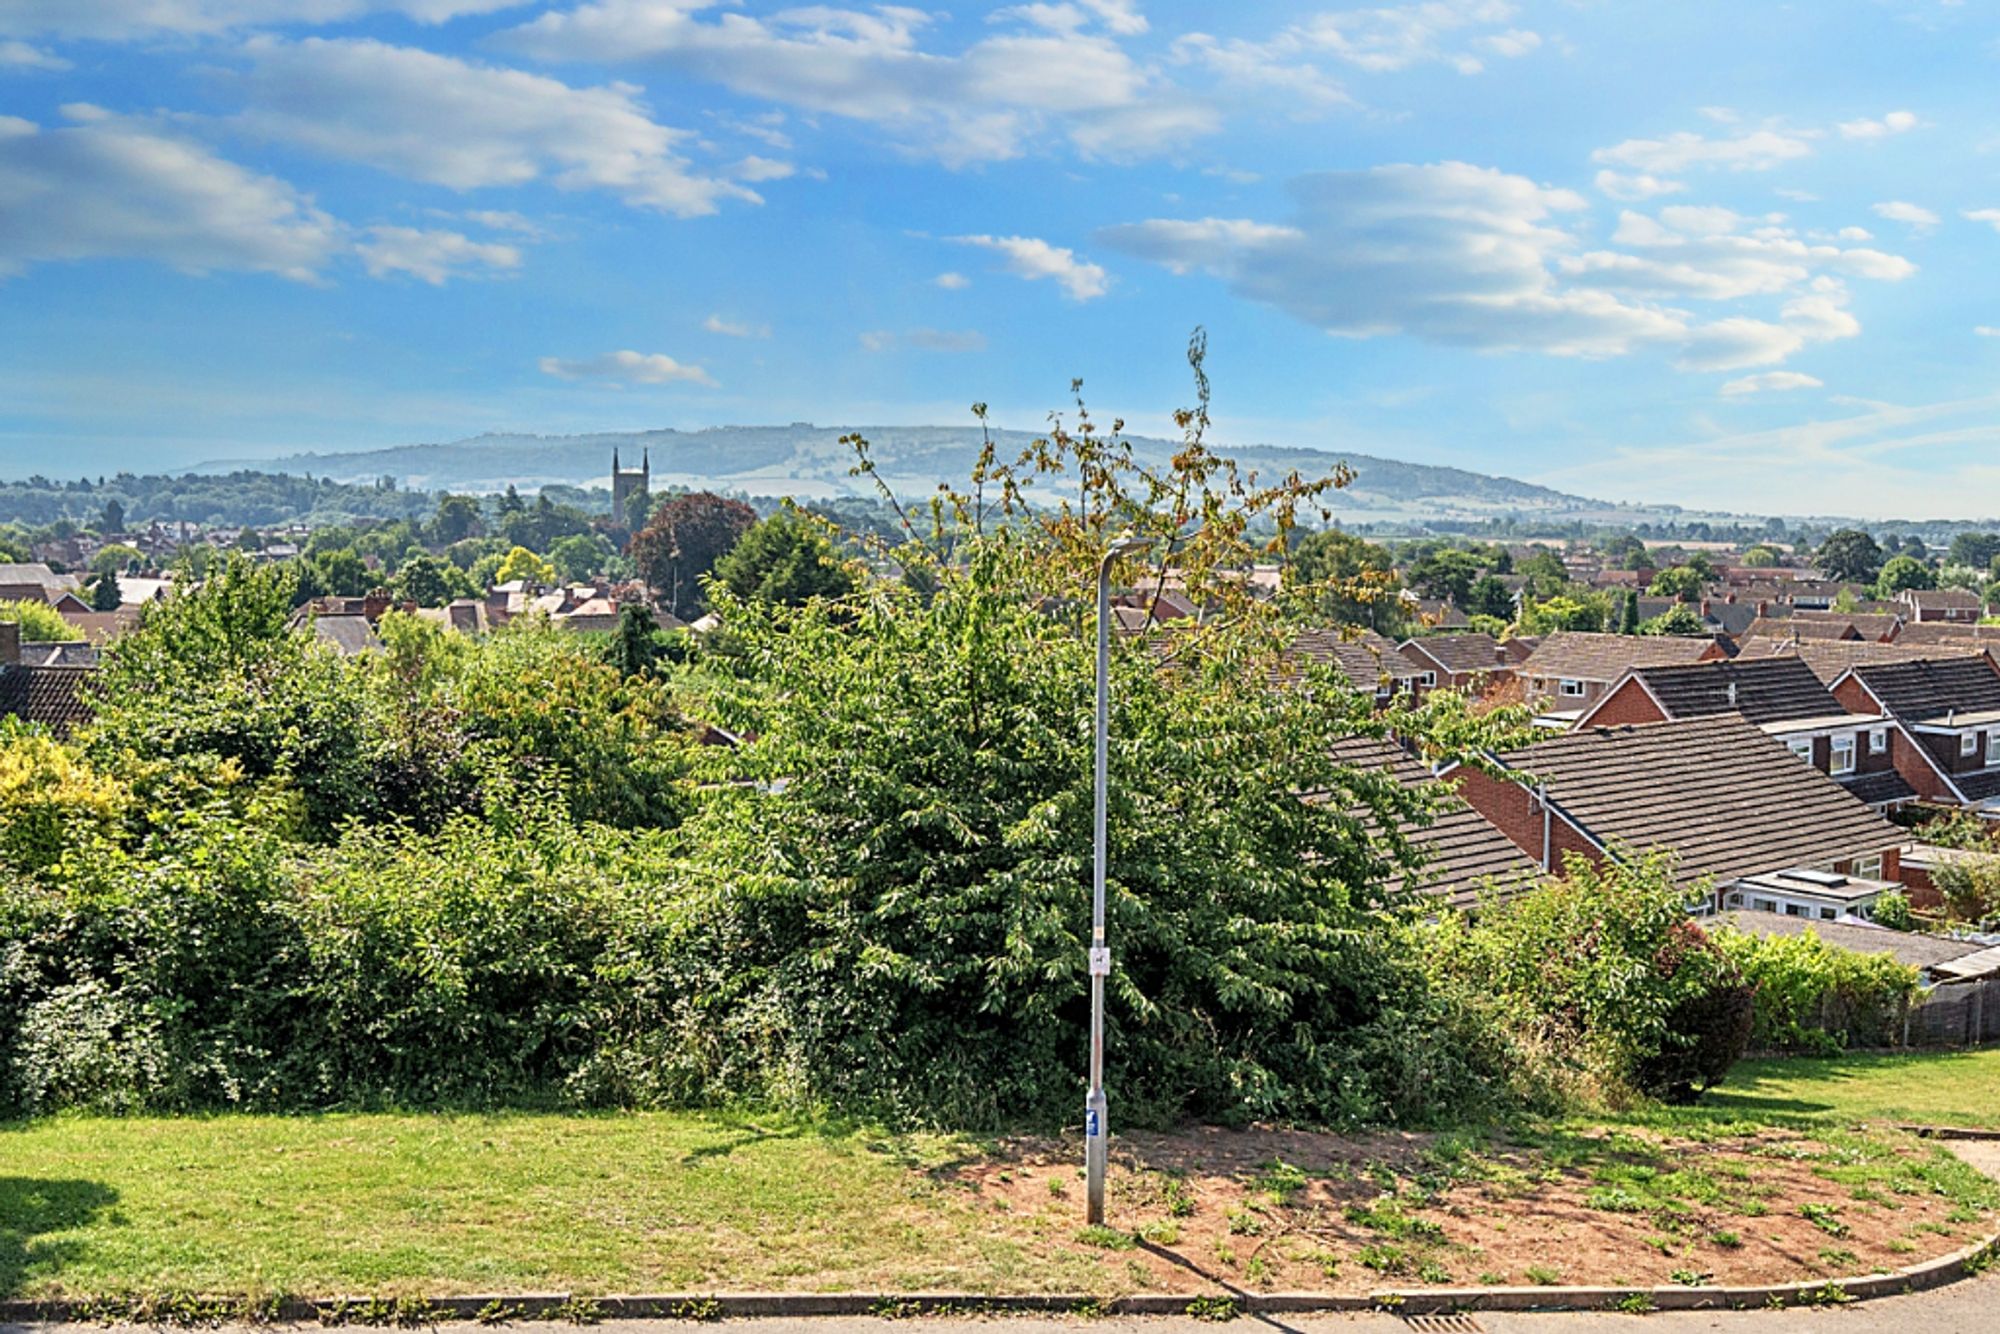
<point>579,556</point>
<point>787,558</point>
<point>635,646</point>
<point>105,594</point>
<point>1356,578</point>
<point>1679,619</point>
<point>682,542</point>
<point>1901,573</point>
<point>1760,557</point>
<point>112,520</point>
<point>457,518</point>
<point>521,563</point>
<point>1490,596</point>
<point>343,573</point>
<point>1849,555</point>
<point>1979,550</point>
<point>40,623</point>
<point>1913,546</point>
<point>510,502</point>
<point>1628,616</point>
<point>422,581</point>
<point>1446,575</point>
<point>114,559</point>
<point>1545,572</point>
<point>1565,612</point>
<point>1683,583</point>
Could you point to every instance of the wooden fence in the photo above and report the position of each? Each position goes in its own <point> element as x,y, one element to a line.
<point>1957,1014</point>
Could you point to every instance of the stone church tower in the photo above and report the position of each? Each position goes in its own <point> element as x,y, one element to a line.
<point>629,482</point>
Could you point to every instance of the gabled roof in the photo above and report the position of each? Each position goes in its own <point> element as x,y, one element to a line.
<point>1955,599</point>
<point>52,696</point>
<point>1582,656</point>
<point>1948,632</point>
<point>1830,659</point>
<point>1763,690</point>
<point>1796,627</point>
<point>348,635</point>
<point>1918,951</point>
<point>1369,661</point>
<point>1727,799</point>
<point>1458,653</point>
<point>1931,689</point>
<point>39,575</point>
<point>1464,853</point>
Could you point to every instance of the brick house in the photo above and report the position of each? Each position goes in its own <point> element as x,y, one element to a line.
<point>1730,802</point>
<point>1371,663</point>
<point>1951,706</point>
<point>55,697</point>
<point>1465,662</point>
<point>1781,697</point>
<point>1954,605</point>
<point>1829,658</point>
<point>1571,669</point>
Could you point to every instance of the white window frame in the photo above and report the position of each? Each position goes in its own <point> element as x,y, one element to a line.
<point>1427,678</point>
<point>1569,687</point>
<point>1868,868</point>
<point>1878,740</point>
<point>1802,749</point>
<point>1840,745</point>
<point>1968,743</point>
<point>1992,748</point>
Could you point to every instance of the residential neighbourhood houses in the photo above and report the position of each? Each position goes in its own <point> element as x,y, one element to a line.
<point>1762,723</point>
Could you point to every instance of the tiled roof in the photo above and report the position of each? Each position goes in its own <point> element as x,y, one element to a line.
<point>1464,854</point>
<point>1928,689</point>
<point>1957,599</point>
<point>52,696</point>
<point>1829,658</point>
<point>1879,789</point>
<point>1918,951</point>
<point>1582,656</point>
<point>1766,690</point>
<point>1947,632</point>
<point>1797,627</point>
<point>1727,799</point>
<point>1981,786</point>
<point>347,635</point>
<point>1461,653</point>
<point>41,576</point>
<point>1368,660</point>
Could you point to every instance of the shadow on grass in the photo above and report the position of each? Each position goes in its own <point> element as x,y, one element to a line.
<point>33,1207</point>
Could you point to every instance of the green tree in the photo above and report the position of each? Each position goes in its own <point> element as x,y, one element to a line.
<point>116,558</point>
<point>39,622</point>
<point>1565,612</point>
<point>422,581</point>
<point>1760,557</point>
<point>682,542</point>
<point>1628,616</point>
<point>787,558</point>
<point>1679,619</point>
<point>343,573</point>
<point>1446,575</point>
<point>1849,555</point>
<point>1354,580</point>
<point>1490,596</point>
<point>1979,550</point>
<point>105,594</point>
<point>521,563</point>
<point>1545,573</point>
<point>457,518</point>
<point>1683,583</point>
<point>112,519</point>
<point>1901,573</point>
<point>580,556</point>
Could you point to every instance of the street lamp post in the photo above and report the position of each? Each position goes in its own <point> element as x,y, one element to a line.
<point>1096,1130</point>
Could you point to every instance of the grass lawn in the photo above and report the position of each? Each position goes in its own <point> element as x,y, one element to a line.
<point>1949,1088</point>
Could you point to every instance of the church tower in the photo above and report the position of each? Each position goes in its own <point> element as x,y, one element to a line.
<point>629,482</point>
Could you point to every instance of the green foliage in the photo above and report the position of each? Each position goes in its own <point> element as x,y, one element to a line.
<point>1901,573</point>
<point>1683,583</point>
<point>1357,576</point>
<point>423,580</point>
<point>1679,619</point>
<point>1446,574</point>
<point>51,801</point>
<point>788,558</point>
<point>521,563</point>
<point>1565,611</point>
<point>1893,911</point>
<point>115,558</point>
<point>580,556</point>
<point>105,594</point>
<point>1971,887</point>
<point>39,622</point>
<point>1851,555</point>
<point>1813,997</point>
<point>1760,557</point>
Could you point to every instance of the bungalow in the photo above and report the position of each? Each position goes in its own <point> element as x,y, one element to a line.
<point>1370,662</point>
<point>1952,707</point>
<point>1729,802</point>
<point>1950,605</point>
<point>1465,662</point>
<point>1570,669</point>
<point>1783,699</point>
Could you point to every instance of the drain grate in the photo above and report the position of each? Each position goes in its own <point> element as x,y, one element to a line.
<point>1444,1324</point>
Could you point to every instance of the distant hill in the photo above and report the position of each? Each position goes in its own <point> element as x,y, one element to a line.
<point>809,462</point>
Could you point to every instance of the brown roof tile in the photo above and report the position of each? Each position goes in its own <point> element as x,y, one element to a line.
<point>52,696</point>
<point>1581,656</point>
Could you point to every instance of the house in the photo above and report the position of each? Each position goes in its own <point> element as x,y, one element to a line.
<point>1949,605</point>
<point>34,583</point>
<point>1865,627</point>
<point>1948,632</point>
<point>55,697</point>
<point>1465,662</point>
<point>1782,698</point>
<point>1371,663</point>
<point>1936,958</point>
<point>99,628</point>
<point>1804,892</point>
<point>1729,802</point>
<point>1920,864</point>
<point>466,616</point>
<point>1570,669</point>
<point>1465,857</point>
<point>345,635</point>
<point>1951,706</point>
<point>1829,658</point>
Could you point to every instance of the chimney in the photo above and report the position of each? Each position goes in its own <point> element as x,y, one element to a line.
<point>376,603</point>
<point>10,643</point>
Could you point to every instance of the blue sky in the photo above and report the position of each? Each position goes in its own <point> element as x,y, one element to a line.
<point>1740,256</point>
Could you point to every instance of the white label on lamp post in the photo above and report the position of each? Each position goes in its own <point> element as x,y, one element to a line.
<point>1100,961</point>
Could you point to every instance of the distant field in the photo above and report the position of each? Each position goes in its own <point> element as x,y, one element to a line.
<point>1945,1088</point>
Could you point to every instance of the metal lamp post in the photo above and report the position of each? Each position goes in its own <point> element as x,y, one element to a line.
<point>1096,1132</point>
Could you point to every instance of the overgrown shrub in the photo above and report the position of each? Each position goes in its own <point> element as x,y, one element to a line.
<point>1814,997</point>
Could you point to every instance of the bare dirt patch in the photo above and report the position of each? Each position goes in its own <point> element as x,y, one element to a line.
<point>1278,1210</point>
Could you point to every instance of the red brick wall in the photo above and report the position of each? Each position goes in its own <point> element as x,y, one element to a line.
<point>1915,769</point>
<point>1922,893</point>
<point>1516,812</point>
<point>1855,699</point>
<point>1629,703</point>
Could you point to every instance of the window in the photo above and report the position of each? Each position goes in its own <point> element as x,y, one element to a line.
<point>1796,910</point>
<point>1802,749</point>
<point>1764,905</point>
<point>1427,678</point>
<point>1843,755</point>
<point>1878,740</point>
<point>1826,914</point>
<point>1968,744</point>
<point>1868,868</point>
<point>1736,900</point>
<point>1993,747</point>
<point>1573,688</point>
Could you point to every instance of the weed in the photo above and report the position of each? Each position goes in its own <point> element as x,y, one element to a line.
<point>1091,1308</point>
<point>1491,1279</point>
<point>1213,1308</point>
<point>1430,1271</point>
<point>696,1308</point>
<point>497,1312</point>
<point>1162,1233</point>
<point>1664,1245</point>
<point>1614,1200</point>
<point>1110,1238</point>
<point>1225,1253</point>
<point>1691,1278</point>
<point>1057,1186</point>
<point>1634,1303</point>
<point>1897,1246</point>
<point>1180,1200</point>
<point>1727,1239</point>
<point>1384,1259</point>
<point>1281,1180</point>
<point>578,1311</point>
<point>1824,1217</point>
<point>1838,1256</point>
<point>1542,1276</point>
<point>1258,1270</point>
<point>1386,1216</point>
<point>1830,1294</point>
<point>1244,1223</point>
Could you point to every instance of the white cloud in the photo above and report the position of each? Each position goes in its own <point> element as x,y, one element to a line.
<point>465,126</point>
<point>431,256</point>
<point>116,189</point>
<point>1989,216</point>
<point>122,20</point>
<point>502,220</point>
<point>1855,234</point>
<point>715,324</point>
<point>1769,381</point>
<point>990,101</point>
<point>1396,37</point>
<point>1273,69</point>
<point>19,55</point>
<point>1636,187</point>
<point>1896,122</point>
<point>1472,256</point>
<point>1915,215</point>
<point>755,168</point>
<point>1986,330</point>
<point>925,340</point>
<point>625,368</point>
<point>1758,150</point>
<point>1032,258</point>
<point>952,281</point>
